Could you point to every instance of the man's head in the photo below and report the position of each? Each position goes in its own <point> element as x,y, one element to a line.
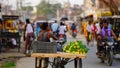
<point>27,21</point>
<point>105,24</point>
<point>44,26</point>
<point>55,21</point>
<point>90,22</point>
<point>61,23</point>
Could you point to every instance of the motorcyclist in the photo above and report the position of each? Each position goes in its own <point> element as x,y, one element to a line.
<point>73,27</point>
<point>54,27</point>
<point>73,30</point>
<point>62,31</point>
<point>106,33</point>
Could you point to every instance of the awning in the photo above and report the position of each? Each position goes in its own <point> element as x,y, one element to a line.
<point>106,13</point>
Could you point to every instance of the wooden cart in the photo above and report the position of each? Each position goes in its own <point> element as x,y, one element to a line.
<point>77,58</point>
<point>49,50</point>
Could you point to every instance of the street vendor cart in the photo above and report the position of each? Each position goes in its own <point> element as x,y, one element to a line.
<point>10,31</point>
<point>49,50</point>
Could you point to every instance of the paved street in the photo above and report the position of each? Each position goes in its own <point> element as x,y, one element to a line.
<point>90,62</point>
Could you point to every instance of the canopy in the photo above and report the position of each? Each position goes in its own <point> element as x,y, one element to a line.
<point>64,18</point>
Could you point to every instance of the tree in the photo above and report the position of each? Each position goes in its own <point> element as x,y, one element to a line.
<point>46,9</point>
<point>112,6</point>
<point>27,8</point>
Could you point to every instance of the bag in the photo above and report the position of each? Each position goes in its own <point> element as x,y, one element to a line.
<point>90,36</point>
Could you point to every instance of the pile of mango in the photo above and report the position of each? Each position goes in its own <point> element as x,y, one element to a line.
<point>14,31</point>
<point>76,47</point>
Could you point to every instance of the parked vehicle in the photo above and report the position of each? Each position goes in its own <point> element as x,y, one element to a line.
<point>10,36</point>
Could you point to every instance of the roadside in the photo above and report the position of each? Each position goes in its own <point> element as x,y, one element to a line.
<point>29,62</point>
<point>11,55</point>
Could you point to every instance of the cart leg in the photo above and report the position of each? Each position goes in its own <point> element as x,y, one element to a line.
<point>19,45</point>
<point>75,63</point>
<point>36,62</point>
<point>80,63</point>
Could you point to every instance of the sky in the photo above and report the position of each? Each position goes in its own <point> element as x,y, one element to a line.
<point>35,2</point>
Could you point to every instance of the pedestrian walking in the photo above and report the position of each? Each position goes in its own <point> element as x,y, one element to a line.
<point>89,30</point>
<point>28,33</point>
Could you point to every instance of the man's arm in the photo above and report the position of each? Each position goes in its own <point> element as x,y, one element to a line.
<point>113,34</point>
<point>50,35</point>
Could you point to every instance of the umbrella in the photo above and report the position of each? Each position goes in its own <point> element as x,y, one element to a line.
<point>64,18</point>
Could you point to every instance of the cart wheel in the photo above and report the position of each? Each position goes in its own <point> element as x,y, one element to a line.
<point>78,63</point>
<point>36,62</point>
<point>57,63</point>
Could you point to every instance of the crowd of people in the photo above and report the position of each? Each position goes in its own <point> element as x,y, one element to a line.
<point>43,32</point>
<point>97,30</point>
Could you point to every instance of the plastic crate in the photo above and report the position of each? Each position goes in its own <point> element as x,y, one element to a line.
<point>44,47</point>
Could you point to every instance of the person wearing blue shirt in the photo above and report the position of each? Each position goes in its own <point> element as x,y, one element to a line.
<point>55,26</point>
<point>37,29</point>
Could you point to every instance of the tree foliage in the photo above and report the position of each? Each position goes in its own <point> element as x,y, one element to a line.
<point>112,6</point>
<point>46,9</point>
<point>27,8</point>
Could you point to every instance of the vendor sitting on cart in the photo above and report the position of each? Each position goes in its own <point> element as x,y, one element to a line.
<point>44,36</point>
<point>107,33</point>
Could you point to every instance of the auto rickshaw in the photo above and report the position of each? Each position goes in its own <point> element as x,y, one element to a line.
<point>10,34</point>
<point>116,29</point>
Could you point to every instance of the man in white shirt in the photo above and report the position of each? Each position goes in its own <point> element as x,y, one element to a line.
<point>62,30</point>
<point>98,28</point>
<point>89,29</point>
<point>29,33</point>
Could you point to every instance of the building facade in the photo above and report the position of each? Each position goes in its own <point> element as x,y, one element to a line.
<point>97,8</point>
<point>103,6</point>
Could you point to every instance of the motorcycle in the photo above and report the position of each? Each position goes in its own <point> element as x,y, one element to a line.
<point>74,33</point>
<point>106,52</point>
<point>63,38</point>
<point>61,41</point>
<point>56,34</point>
